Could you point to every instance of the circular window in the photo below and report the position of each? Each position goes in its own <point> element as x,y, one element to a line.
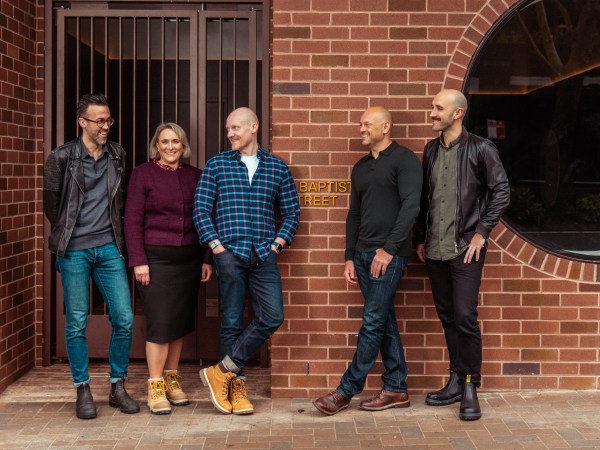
<point>534,90</point>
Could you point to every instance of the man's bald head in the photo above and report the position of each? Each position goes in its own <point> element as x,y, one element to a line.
<point>242,131</point>
<point>375,128</point>
<point>456,98</point>
<point>381,113</point>
<point>447,113</point>
<point>243,115</point>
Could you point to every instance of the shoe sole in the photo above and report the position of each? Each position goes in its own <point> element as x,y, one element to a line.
<point>205,382</point>
<point>469,417</point>
<point>88,417</point>
<point>329,413</point>
<point>116,405</point>
<point>443,402</point>
<point>179,402</point>
<point>242,412</point>
<point>159,412</point>
<point>393,405</point>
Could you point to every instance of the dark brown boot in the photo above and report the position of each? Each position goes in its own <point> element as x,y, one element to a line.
<point>332,403</point>
<point>385,400</point>
<point>119,398</point>
<point>85,407</point>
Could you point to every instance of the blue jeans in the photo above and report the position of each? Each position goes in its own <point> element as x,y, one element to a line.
<point>260,279</point>
<point>379,330</point>
<point>107,268</point>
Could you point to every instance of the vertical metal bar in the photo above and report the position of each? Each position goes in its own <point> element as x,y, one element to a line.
<point>198,87</point>
<point>234,61</point>
<point>177,70</point>
<point>266,84</point>
<point>60,80</point>
<point>92,48</point>
<point>162,90</point>
<point>121,79</point>
<point>148,49</point>
<point>252,60</point>
<point>106,56</point>
<point>219,120</point>
<point>134,112</point>
<point>77,65</point>
<point>48,273</point>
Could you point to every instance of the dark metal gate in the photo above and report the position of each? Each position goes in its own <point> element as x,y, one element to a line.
<point>183,65</point>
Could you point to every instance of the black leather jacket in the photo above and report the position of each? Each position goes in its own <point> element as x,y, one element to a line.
<point>483,192</point>
<point>64,192</point>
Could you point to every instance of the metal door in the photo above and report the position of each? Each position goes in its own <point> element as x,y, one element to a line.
<point>187,66</point>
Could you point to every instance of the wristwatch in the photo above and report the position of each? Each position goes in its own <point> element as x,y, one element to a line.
<point>214,244</point>
<point>278,246</point>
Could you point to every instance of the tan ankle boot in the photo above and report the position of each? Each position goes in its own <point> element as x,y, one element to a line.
<point>175,394</point>
<point>238,397</point>
<point>157,398</point>
<point>218,384</point>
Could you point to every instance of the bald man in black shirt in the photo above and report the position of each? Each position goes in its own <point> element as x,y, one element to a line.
<point>386,190</point>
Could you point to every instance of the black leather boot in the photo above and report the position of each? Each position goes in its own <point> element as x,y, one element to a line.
<point>119,398</point>
<point>449,394</point>
<point>469,405</point>
<point>84,407</point>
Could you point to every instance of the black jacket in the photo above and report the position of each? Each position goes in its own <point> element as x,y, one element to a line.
<point>483,192</point>
<point>64,192</point>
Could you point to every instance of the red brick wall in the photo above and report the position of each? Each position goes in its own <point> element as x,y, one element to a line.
<point>21,157</point>
<point>331,60</point>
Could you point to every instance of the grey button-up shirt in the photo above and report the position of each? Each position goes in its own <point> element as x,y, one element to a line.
<point>441,240</point>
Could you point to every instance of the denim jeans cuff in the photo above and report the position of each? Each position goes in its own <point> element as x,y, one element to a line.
<point>76,385</point>
<point>114,380</point>
<point>230,365</point>
<point>394,390</point>
<point>343,393</point>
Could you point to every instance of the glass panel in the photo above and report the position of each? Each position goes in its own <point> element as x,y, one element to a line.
<point>184,77</point>
<point>227,85</point>
<point>99,55</point>
<point>140,124</point>
<point>84,66</point>
<point>535,91</point>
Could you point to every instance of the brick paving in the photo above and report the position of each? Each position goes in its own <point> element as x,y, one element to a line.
<point>38,412</point>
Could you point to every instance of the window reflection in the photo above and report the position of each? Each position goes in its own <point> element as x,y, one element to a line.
<point>534,90</point>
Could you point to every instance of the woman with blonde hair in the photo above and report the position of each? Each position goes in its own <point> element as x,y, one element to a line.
<point>167,260</point>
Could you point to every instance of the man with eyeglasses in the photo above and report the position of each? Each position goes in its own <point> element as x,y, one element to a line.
<point>83,201</point>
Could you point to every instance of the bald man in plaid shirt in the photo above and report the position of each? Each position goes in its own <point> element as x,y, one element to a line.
<point>241,186</point>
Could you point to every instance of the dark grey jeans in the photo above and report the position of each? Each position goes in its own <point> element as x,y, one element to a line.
<point>455,287</point>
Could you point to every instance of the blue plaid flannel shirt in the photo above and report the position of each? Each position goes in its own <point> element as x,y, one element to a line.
<point>244,214</point>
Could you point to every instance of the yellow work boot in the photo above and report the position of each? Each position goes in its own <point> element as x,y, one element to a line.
<point>238,397</point>
<point>157,399</point>
<point>218,384</point>
<point>175,394</point>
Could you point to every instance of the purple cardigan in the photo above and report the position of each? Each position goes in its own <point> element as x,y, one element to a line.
<point>158,210</point>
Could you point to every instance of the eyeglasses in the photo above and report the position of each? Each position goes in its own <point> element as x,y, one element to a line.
<point>101,122</point>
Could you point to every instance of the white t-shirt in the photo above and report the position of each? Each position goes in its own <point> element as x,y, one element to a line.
<point>252,164</point>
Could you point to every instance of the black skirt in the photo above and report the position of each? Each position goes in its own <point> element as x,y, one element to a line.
<point>171,297</point>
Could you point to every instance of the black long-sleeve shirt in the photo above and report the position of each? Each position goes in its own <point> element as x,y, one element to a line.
<point>384,202</point>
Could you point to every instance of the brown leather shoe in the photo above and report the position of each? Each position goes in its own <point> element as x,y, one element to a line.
<point>386,400</point>
<point>331,403</point>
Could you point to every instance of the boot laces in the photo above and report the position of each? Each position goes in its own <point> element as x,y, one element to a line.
<point>173,381</point>
<point>239,390</point>
<point>158,389</point>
